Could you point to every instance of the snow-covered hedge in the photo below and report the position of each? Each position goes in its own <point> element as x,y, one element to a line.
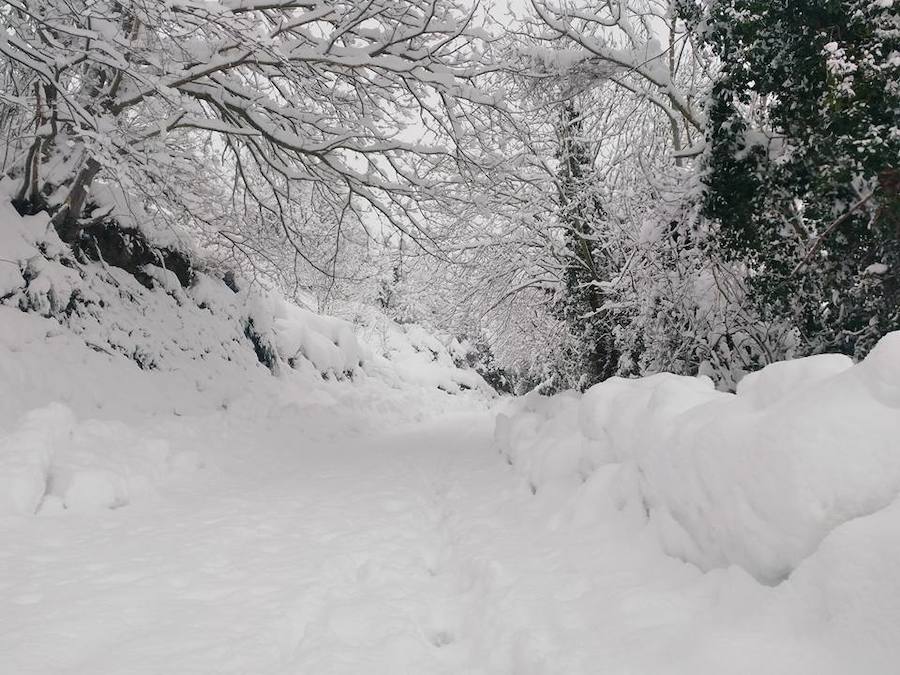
<point>758,478</point>
<point>155,318</point>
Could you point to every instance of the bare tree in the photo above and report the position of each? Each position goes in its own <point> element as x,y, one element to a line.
<point>250,115</point>
<point>639,46</point>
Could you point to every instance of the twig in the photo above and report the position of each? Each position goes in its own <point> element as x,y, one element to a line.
<point>828,230</point>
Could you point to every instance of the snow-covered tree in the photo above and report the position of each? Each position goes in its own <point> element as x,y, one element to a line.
<point>642,77</point>
<point>260,121</point>
<point>639,83</point>
<point>587,261</point>
<point>639,46</point>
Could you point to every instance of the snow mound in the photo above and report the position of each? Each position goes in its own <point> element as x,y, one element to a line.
<point>759,478</point>
<point>788,378</point>
<point>408,354</point>
<point>52,462</point>
<point>329,345</point>
<point>850,585</point>
<point>26,455</point>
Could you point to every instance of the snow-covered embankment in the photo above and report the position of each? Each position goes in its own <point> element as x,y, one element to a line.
<point>761,479</point>
<point>114,382</point>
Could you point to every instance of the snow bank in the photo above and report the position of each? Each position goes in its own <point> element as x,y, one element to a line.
<point>758,479</point>
<point>104,373</point>
<point>409,355</point>
<point>107,465</point>
<point>328,344</point>
<point>26,455</point>
<point>850,585</point>
<point>159,323</point>
<point>53,462</point>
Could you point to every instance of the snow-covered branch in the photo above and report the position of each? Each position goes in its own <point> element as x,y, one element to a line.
<point>385,106</point>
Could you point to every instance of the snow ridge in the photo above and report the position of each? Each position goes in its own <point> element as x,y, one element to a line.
<point>758,479</point>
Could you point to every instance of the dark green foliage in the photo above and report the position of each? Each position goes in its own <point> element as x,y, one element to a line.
<point>802,161</point>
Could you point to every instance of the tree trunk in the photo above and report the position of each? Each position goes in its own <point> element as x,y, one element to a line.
<point>67,219</point>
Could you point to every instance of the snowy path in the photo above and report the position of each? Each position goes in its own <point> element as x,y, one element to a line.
<point>414,552</point>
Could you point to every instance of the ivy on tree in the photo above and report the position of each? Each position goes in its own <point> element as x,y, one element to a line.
<point>585,265</point>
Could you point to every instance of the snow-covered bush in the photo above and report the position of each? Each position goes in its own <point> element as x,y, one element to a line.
<point>157,318</point>
<point>758,478</point>
<point>408,353</point>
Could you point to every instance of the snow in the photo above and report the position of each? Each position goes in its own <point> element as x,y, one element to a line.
<point>26,455</point>
<point>779,380</point>
<point>409,354</point>
<point>161,327</point>
<point>757,479</point>
<point>369,507</point>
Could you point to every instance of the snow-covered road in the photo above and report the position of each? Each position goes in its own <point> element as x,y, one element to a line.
<point>338,557</point>
<point>417,551</point>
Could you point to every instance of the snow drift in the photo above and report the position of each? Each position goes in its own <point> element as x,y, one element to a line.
<point>759,478</point>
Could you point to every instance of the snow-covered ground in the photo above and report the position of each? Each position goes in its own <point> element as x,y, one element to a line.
<point>293,543</point>
<point>168,504</point>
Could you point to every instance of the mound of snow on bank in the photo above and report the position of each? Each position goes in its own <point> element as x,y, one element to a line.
<point>108,381</point>
<point>159,323</point>
<point>411,354</point>
<point>761,479</point>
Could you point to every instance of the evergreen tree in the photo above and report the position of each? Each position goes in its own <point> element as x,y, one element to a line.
<point>802,165</point>
<point>581,212</point>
